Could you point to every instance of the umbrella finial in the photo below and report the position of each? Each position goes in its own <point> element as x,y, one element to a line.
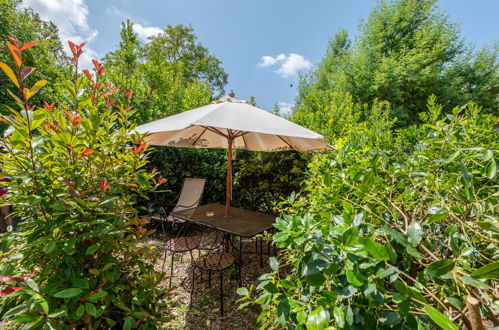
<point>232,94</point>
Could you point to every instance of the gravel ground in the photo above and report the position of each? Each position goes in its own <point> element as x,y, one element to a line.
<point>205,310</point>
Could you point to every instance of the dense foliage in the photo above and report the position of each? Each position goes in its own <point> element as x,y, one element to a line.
<point>171,73</point>
<point>389,233</point>
<point>75,176</point>
<point>48,58</point>
<point>405,50</point>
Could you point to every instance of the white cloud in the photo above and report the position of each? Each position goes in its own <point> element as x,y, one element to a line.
<point>144,32</point>
<point>285,108</point>
<point>70,16</point>
<point>289,65</point>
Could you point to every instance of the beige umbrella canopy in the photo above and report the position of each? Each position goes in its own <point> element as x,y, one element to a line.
<point>231,123</point>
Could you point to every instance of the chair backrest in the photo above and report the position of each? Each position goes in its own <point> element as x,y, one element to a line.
<point>212,237</point>
<point>191,194</point>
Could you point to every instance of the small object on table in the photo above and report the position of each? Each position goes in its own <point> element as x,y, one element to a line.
<point>210,213</point>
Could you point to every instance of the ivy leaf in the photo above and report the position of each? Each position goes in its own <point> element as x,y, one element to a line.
<point>414,233</point>
<point>466,175</point>
<point>451,157</point>
<point>439,268</point>
<point>439,318</point>
<point>242,291</point>
<point>490,271</point>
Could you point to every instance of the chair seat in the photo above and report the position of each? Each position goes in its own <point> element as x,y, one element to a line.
<point>215,261</point>
<point>183,244</point>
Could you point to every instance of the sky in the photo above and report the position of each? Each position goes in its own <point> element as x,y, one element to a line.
<point>263,44</point>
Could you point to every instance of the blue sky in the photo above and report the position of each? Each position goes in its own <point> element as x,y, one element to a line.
<point>262,44</point>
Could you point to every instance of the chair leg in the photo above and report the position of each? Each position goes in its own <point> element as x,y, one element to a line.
<point>164,261</point>
<point>171,270</point>
<point>192,284</point>
<point>221,293</point>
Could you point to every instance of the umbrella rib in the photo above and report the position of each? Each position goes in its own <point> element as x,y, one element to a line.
<point>216,131</point>
<point>244,140</point>
<point>292,148</point>
<point>194,143</point>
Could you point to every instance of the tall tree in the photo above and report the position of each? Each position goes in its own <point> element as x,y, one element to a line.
<point>171,73</point>
<point>405,51</point>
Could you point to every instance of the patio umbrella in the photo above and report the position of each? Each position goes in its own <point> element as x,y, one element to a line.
<point>231,123</point>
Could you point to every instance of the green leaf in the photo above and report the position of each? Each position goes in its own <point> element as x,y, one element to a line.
<point>466,175</point>
<point>92,248</point>
<point>49,247</point>
<point>68,293</point>
<point>489,271</point>
<point>491,169</point>
<point>440,319</point>
<point>355,278</point>
<point>318,319</point>
<point>36,87</point>
<point>339,317</point>
<point>487,155</point>
<point>449,158</point>
<point>80,311</point>
<point>376,250</point>
<point>476,283</point>
<point>90,308</point>
<point>439,268</point>
<point>242,291</point>
<point>414,233</point>
<point>283,311</point>
<point>274,264</point>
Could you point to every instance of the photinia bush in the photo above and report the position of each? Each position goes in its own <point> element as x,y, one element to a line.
<point>392,236</point>
<point>75,176</point>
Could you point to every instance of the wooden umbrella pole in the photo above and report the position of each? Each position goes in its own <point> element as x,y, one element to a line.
<point>229,174</point>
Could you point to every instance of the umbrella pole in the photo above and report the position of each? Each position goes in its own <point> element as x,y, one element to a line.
<point>229,175</point>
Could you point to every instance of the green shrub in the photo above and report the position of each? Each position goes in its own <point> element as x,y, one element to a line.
<point>391,235</point>
<point>75,177</point>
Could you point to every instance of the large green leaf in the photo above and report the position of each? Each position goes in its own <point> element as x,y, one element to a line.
<point>440,319</point>
<point>414,233</point>
<point>439,268</point>
<point>489,271</point>
<point>68,293</point>
<point>376,250</point>
<point>318,319</point>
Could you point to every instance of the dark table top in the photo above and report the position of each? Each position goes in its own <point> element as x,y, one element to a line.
<point>240,222</point>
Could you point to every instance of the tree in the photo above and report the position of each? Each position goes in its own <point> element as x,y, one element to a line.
<point>405,51</point>
<point>171,73</point>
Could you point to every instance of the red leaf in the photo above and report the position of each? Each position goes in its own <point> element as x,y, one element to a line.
<point>154,170</point>
<point>10,279</point>
<point>70,116</point>
<point>7,291</point>
<point>89,76</point>
<point>29,45</point>
<point>16,42</point>
<point>86,151</point>
<point>128,93</point>
<point>99,85</point>
<point>101,71</point>
<point>80,46</point>
<point>16,54</point>
<point>72,46</point>
<point>77,120</point>
<point>26,72</point>
<point>137,149</point>
<point>103,184</point>
<point>71,189</point>
<point>5,121</point>
<point>97,65</point>
<point>48,106</point>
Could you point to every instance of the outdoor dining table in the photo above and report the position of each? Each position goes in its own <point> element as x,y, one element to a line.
<point>242,223</point>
